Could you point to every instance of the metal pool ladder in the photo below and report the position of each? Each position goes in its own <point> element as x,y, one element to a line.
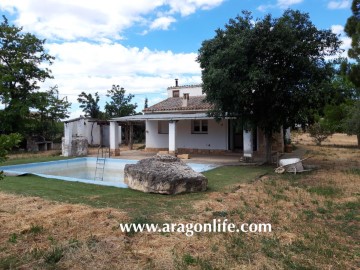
<point>100,162</point>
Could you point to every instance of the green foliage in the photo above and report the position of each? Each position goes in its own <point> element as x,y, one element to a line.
<point>50,111</point>
<point>36,229</point>
<point>90,105</point>
<point>21,68</point>
<point>189,259</point>
<point>13,238</point>
<point>270,73</point>
<point>54,255</point>
<point>334,116</point>
<point>352,28</point>
<point>320,131</point>
<point>117,107</point>
<point>119,104</point>
<point>7,142</point>
<point>352,120</point>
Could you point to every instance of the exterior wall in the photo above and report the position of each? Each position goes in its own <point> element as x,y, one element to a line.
<point>153,139</point>
<point>78,147</point>
<point>94,137</point>
<point>216,139</point>
<point>193,91</point>
<point>82,128</point>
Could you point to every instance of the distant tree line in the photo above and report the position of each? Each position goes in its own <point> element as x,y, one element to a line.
<point>119,105</point>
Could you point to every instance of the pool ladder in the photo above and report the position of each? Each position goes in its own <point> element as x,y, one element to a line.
<point>100,162</point>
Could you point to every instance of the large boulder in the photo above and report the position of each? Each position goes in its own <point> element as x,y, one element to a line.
<point>163,174</point>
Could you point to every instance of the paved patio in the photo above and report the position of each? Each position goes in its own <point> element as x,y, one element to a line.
<point>228,159</point>
<point>224,159</point>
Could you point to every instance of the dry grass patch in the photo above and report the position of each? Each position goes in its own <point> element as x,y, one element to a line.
<point>314,216</point>
<point>335,139</point>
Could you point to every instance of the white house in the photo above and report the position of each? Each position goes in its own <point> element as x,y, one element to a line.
<point>179,124</point>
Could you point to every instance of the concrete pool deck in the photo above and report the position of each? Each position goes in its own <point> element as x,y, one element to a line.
<point>232,158</point>
<point>225,159</point>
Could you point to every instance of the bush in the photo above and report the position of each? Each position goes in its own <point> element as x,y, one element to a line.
<point>320,131</point>
<point>7,142</point>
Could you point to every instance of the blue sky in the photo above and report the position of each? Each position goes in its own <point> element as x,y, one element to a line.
<point>142,45</point>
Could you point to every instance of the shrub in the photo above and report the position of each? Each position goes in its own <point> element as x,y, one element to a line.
<point>320,131</point>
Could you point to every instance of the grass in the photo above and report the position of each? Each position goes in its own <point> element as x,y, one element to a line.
<point>135,202</point>
<point>16,161</point>
<point>222,178</point>
<point>314,216</point>
<point>327,191</point>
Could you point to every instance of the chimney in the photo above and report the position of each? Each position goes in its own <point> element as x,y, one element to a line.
<point>176,82</point>
<point>185,100</point>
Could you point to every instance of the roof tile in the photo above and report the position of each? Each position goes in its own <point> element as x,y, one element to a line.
<point>175,104</point>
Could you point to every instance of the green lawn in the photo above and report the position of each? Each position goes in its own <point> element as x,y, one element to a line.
<point>134,202</point>
<point>31,160</point>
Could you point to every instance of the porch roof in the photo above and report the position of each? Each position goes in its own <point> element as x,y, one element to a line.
<point>162,116</point>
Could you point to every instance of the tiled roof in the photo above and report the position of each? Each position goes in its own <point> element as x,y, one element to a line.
<point>184,86</point>
<point>195,103</point>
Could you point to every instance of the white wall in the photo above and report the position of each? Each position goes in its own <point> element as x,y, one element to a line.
<point>81,129</point>
<point>193,91</point>
<point>95,133</point>
<point>217,137</point>
<point>153,139</point>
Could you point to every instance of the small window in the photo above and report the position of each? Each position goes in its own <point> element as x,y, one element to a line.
<point>199,126</point>
<point>176,93</point>
<point>163,127</point>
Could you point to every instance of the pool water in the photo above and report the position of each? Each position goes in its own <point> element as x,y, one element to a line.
<point>83,170</point>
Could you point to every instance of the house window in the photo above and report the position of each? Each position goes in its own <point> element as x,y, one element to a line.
<point>176,93</point>
<point>199,126</point>
<point>163,127</point>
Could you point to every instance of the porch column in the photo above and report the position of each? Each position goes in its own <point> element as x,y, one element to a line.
<point>120,136</point>
<point>114,139</point>
<point>66,151</point>
<point>172,137</point>
<point>287,135</point>
<point>131,136</point>
<point>248,143</point>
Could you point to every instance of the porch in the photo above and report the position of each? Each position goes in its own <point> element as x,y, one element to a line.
<point>194,133</point>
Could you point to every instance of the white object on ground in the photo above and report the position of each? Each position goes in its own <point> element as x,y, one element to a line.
<point>291,165</point>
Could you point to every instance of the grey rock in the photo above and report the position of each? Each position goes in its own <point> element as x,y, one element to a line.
<point>164,174</point>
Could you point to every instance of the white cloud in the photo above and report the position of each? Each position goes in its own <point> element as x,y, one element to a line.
<point>68,19</point>
<point>82,66</point>
<point>287,3</point>
<point>342,4</point>
<point>85,36</point>
<point>346,41</point>
<point>162,23</point>
<point>187,7</point>
<point>264,8</point>
<point>282,4</point>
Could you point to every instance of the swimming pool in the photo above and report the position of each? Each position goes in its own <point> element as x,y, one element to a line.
<point>83,170</point>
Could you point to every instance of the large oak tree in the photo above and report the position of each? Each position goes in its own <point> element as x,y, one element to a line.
<point>23,61</point>
<point>270,72</point>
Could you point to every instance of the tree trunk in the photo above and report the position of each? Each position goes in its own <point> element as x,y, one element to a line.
<point>358,138</point>
<point>268,144</point>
